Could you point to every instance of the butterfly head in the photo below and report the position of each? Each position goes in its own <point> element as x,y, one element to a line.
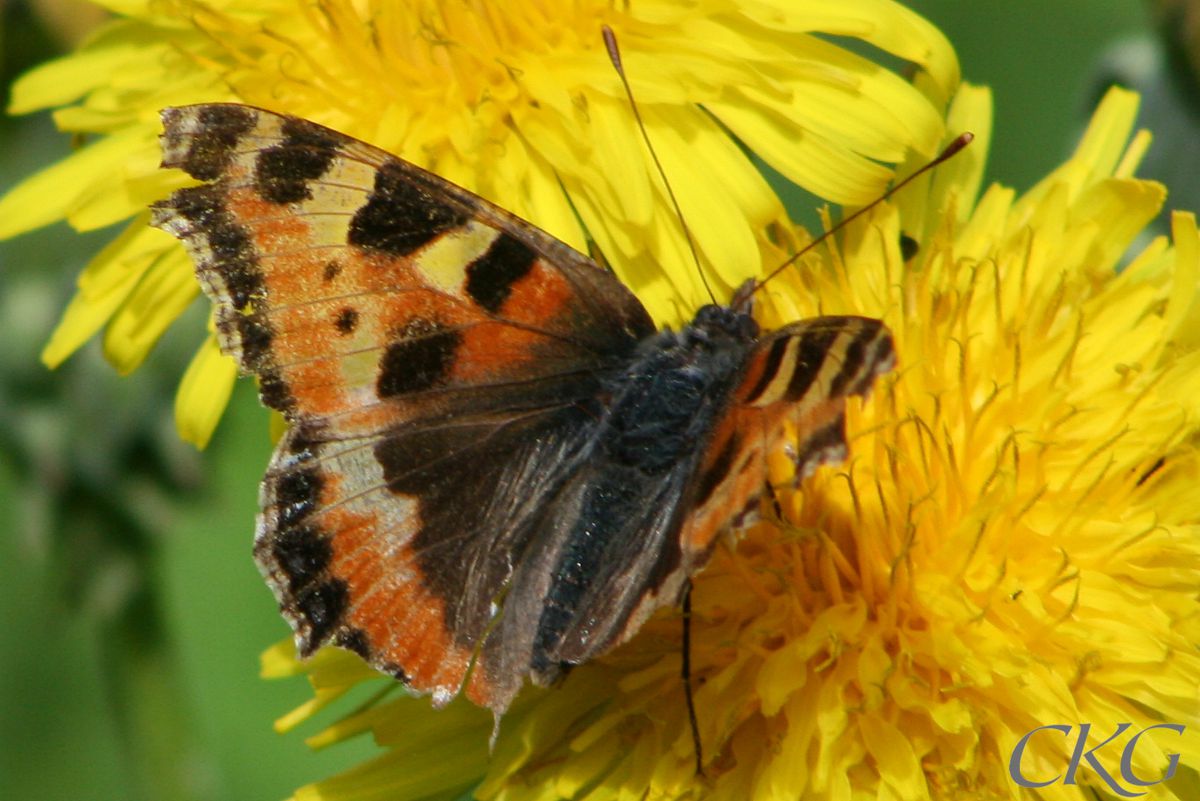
<point>716,323</point>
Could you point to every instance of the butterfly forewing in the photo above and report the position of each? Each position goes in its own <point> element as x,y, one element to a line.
<point>343,273</point>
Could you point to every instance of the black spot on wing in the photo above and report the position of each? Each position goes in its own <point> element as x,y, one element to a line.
<point>282,172</point>
<point>332,270</point>
<point>909,247</point>
<point>420,359</point>
<point>346,321</point>
<point>718,470</point>
<point>304,439</point>
<point>322,607</point>
<point>302,553</point>
<point>400,215</point>
<point>255,337</point>
<point>879,359</point>
<point>274,392</point>
<point>827,444</point>
<point>810,356</point>
<point>852,360</point>
<point>749,512</point>
<point>297,493</point>
<point>213,141</point>
<point>491,276</point>
<point>770,369</point>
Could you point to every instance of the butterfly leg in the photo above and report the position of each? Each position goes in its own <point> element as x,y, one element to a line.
<point>687,676</point>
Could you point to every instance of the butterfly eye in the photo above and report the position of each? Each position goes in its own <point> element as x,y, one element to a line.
<point>708,315</point>
<point>747,327</point>
<point>713,319</point>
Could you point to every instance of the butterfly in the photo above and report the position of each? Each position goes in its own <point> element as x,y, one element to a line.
<point>496,466</point>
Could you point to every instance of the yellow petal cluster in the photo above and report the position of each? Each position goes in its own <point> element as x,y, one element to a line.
<point>1015,541</point>
<point>514,100</point>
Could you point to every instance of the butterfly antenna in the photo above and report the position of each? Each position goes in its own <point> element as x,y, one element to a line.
<point>614,55</point>
<point>952,149</point>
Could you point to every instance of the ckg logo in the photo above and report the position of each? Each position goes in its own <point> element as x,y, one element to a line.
<point>1124,783</point>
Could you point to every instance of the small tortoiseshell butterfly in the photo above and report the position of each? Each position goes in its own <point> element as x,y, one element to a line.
<point>496,465</point>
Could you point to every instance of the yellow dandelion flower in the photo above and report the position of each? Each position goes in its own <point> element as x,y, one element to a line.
<point>514,100</point>
<point>1014,544</point>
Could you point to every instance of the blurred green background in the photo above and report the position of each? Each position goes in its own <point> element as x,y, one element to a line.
<point>130,602</point>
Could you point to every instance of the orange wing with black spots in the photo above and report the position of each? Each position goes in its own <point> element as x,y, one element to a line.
<point>496,467</point>
<point>328,257</point>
